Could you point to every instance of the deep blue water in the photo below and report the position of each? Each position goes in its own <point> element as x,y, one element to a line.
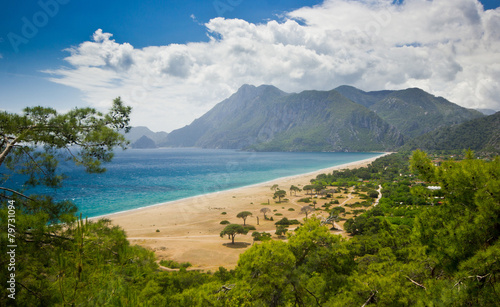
<point>139,178</point>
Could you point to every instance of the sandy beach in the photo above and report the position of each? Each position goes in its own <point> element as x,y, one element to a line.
<point>188,230</point>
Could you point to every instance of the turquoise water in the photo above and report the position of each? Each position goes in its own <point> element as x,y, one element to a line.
<point>139,178</point>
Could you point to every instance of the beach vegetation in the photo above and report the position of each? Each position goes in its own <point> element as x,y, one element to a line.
<point>232,230</point>
<point>249,227</point>
<point>294,189</point>
<point>244,215</point>
<point>224,222</point>
<point>306,210</point>
<point>265,211</point>
<point>279,194</point>
<point>174,264</point>
<point>281,230</point>
<point>286,222</point>
<point>261,236</point>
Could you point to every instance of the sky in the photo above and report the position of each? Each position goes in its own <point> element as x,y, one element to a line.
<point>173,60</point>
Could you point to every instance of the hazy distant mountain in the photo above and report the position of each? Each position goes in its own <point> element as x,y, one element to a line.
<point>137,133</point>
<point>267,119</point>
<point>143,143</point>
<point>478,134</point>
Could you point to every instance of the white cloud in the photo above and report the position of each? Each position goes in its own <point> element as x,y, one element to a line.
<point>449,48</point>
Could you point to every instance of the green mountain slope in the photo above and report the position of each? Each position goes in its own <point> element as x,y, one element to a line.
<point>415,112</point>
<point>266,119</point>
<point>478,134</point>
<point>364,98</point>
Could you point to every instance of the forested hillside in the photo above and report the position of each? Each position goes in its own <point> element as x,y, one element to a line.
<point>482,134</point>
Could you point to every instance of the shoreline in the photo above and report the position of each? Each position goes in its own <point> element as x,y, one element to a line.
<point>188,229</point>
<point>312,173</point>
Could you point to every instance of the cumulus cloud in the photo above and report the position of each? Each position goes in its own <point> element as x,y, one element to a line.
<point>449,48</point>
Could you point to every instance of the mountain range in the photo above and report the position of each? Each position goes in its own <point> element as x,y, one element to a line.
<point>264,118</point>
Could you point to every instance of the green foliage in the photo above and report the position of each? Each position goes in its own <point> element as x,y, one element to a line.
<point>478,134</point>
<point>286,222</point>
<point>249,227</point>
<point>243,215</point>
<point>224,222</point>
<point>232,230</point>
<point>279,194</point>
<point>174,265</point>
<point>281,230</point>
<point>261,236</point>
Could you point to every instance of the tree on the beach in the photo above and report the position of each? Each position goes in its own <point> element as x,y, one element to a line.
<point>306,210</point>
<point>294,189</point>
<point>264,211</point>
<point>232,230</point>
<point>243,215</point>
<point>309,188</point>
<point>279,194</point>
<point>274,187</point>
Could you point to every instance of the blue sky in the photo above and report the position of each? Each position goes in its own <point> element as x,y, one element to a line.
<point>174,60</point>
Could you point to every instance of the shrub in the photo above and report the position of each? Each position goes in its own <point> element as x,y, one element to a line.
<point>224,222</point>
<point>278,214</point>
<point>174,264</point>
<point>224,213</point>
<point>261,236</point>
<point>286,222</point>
<point>291,209</point>
<point>157,230</point>
<point>305,200</point>
<point>249,227</point>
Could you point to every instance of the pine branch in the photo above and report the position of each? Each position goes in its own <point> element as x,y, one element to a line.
<point>416,283</point>
<point>16,192</point>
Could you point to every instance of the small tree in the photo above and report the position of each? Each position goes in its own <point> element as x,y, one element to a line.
<point>308,188</point>
<point>264,211</point>
<point>281,230</point>
<point>306,210</point>
<point>294,189</point>
<point>274,187</point>
<point>243,215</point>
<point>279,194</point>
<point>232,230</point>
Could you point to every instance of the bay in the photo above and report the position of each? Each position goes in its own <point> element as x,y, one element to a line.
<point>140,178</point>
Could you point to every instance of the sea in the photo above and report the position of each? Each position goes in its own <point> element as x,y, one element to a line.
<point>139,178</point>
